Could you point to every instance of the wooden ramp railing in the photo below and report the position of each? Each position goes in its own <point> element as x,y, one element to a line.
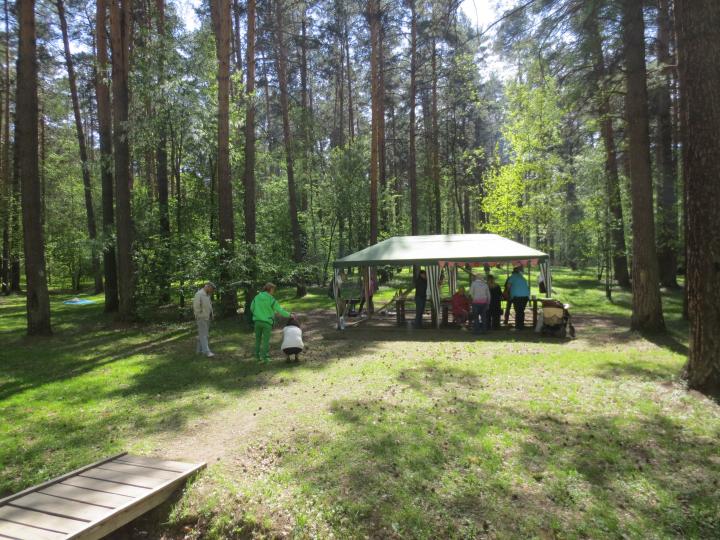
<point>92,501</point>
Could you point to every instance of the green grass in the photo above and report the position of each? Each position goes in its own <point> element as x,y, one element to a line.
<point>381,432</point>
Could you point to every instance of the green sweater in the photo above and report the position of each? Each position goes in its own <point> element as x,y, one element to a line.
<point>264,307</point>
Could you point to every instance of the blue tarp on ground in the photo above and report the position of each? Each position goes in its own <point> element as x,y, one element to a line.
<point>78,301</point>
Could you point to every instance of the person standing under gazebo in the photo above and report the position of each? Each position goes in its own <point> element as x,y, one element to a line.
<point>495,309</point>
<point>519,295</point>
<point>480,302</point>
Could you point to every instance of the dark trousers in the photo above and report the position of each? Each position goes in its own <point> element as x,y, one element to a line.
<point>519,303</point>
<point>292,350</point>
<point>479,316</point>
<point>419,309</point>
<point>371,306</point>
<point>494,318</point>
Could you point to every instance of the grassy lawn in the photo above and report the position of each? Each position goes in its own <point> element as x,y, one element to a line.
<point>380,432</point>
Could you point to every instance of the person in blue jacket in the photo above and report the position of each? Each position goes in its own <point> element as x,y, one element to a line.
<point>519,294</point>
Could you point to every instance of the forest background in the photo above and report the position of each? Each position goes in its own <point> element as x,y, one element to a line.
<point>260,142</point>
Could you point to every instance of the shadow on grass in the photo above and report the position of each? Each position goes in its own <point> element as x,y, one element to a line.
<point>645,371</point>
<point>668,341</point>
<point>386,332</point>
<point>437,458</point>
<point>76,397</point>
<point>68,360</point>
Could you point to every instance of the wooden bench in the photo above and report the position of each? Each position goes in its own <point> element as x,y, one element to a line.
<point>94,500</point>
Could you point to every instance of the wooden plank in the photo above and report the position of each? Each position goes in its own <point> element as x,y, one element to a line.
<point>173,466</point>
<point>108,500</point>
<point>51,504</point>
<point>40,519</point>
<point>18,531</point>
<point>59,478</point>
<point>104,486</point>
<point>133,509</point>
<point>136,470</point>
<point>122,478</point>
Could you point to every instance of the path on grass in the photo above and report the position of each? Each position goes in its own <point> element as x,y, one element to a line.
<point>223,434</point>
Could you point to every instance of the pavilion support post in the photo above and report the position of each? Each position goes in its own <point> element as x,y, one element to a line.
<point>546,277</point>
<point>339,305</point>
<point>433,274</point>
<point>529,267</point>
<point>452,278</point>
<point>367,273</point>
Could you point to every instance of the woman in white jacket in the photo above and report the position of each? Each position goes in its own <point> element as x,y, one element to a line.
<point>292,342</point>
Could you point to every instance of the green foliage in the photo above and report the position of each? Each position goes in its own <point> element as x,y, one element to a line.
<point>518,156</point>
<point>524,196</point>
<point>503,200</point>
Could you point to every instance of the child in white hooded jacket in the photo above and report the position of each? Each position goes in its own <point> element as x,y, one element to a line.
<point>292,343</point>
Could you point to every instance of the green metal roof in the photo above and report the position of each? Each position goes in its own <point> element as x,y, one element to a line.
<point>407,250</point>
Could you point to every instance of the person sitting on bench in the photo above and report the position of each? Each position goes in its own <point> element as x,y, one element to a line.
<point>460,306</point>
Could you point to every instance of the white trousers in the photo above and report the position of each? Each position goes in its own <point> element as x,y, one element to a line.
<point>203,326</point>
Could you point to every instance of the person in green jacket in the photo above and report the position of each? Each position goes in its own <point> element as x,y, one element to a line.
<point>264,307</point>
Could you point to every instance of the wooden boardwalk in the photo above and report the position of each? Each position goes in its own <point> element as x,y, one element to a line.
<point>93,501</point>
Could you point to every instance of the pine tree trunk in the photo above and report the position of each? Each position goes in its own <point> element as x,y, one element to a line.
<point>176,156</point>
<point>212,228</point>
<point>270,136</point>
<point>698,31</point>
<point>412,164</point>
<point>249,172</point>
<point>38,299</point>
<point>666,193</point>
<point>304,96</point>
<point>348,71</point>
<point>120,39</point>
<point>647,312</point>
<point>373,13</point>
<point>161,157</point>
<point>467,221</point>
<point>5,165</point>
<point>87,186</point>
<point>281,55</point>
<point>102,92</point>
<point>237,10</point>
<point>338,137</point>
<point>305,117</point>
<point>15,223</point>
<point>5,263</point>
<point>221,23</point>
<point>434,142</point>
<point>612,178</point>
<point>338,134</point>
<point>394,172</point>
<point>43,185</point>
<point>12,230</point>
<point>382,165</point>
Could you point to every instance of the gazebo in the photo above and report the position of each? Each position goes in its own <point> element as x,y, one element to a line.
<point>438,254</point>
